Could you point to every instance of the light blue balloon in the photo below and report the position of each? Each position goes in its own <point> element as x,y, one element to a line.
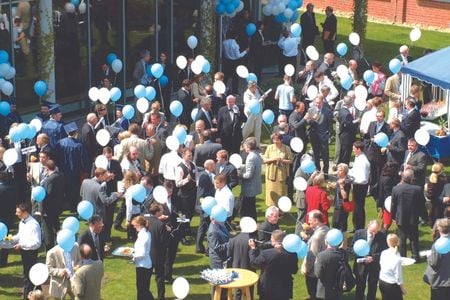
<point>4,67</point>
<point>341,49</point>
<point>346,82</point>
<point>395,65</point>
<point>250,29</point>
<point>381,139</point>
<point>292,243</point>
<point>128,112</point>
<point>219,213</point>
<point>176,108</point>
<point>4,56</point>
<point>85,209</point>
<point>369,76</point>
<point>38,193</point>
<point>296,29</point>
<point>361,248</point>
<point>442,245</point>
<point>254,106</point>
<point>139,91</point>
<point>75,2</point>
<point>157,70</point>
<point>3,231</point>
<point>180,133</point>
<point>5,108</point>
<point>138,192</point>
<point>206,67</point>
<point>334,237</point>
<point>268,116</point>
<point>22,129</point>
<point>208,203</point>
<point>31,132</point>
<point>115,93</point>
<point>111,57</point>
<point>308,166</point>
<point>117,65</point>
<point>150,93</point>
<point>192,41</point>
<point>14,135</point>
<point>40,88</point>
<point>72,224</point>
<point>7,88</point>
<point>303,250</point>
<point>252,77</point>
<point>66,239</point>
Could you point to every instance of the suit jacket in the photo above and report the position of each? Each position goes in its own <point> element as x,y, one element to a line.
<point>237,251</point>
<point>373,151</point>
<point>309,27</point>
<point>257,48</point>
<point>410,123</point>
<point>205,151</point>
<point>418,162</point>
<point>347,134</point>
<point>406,203</point>
<point>297,127</point>
<point>87,281</point>
<point>277,267</point>
<point>54,187</point>
<point>96,193</point>
<point>230,128</point>
<point>392,87</point>
<point>160,237</point>
<point>330,25</point>
<point>265,231</point>
<point>326,267</point>
<point>376,247</point>
<point>205,186</point>
<point>89,141</point>
<point>397,147</point>
<point>218,236</point>
<point>86,238</point>
<point>438,269</point>
<point>321,128</point>
<point>35,173</point>
<point>140,73</point>
<point>201,115</point>
<point>186,99</point>
<point>316,244</point>
<point>145,148</point>
<point>251,175</point>
<point>56,264</point>
<point>231,172</point>
<point>114,167</point>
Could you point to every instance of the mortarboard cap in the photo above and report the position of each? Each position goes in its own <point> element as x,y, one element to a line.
<point>55,108</point>
<point>70,127</point>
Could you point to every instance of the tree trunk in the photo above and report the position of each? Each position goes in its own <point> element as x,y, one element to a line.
<point>360,19</point>
<point>207,38</point>
<point>46,53</point>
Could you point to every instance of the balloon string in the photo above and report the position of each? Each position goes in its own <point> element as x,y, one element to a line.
<point>161,94</point>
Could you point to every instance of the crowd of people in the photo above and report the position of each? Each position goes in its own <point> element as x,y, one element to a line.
<point>67,163</point>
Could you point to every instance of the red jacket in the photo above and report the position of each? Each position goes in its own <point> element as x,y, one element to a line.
<point>316,198</point>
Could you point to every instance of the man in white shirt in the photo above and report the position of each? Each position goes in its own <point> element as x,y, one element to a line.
<point>231,58</point>
<point>28,241</point>
<point>360,172</point>
<point>289,45</point>
<point>223,195</point>
<point>322,81</point>
<point>285,96</point>
<point>168,165</point>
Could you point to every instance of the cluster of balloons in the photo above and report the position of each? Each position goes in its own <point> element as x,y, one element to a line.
<point>216,211</point>
<point>23,132</point>
<point>283,10</point>
<point>6,72</point>
<point>229,8</point>
<point>200,65</point>
<point>104,95</point>
<point>293,243</point>
<point>72,6</point>
<point>115,63</point>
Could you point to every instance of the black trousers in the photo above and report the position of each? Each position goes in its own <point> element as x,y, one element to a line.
<point>390,291</point>
<point>201,232</point>
<point>412,233</point>
<point>143,277</point>
<point>248,207</point>
<point>172,248</point>
<point>50,226</point>
<point>108,220</point>
<point>321,151</point>
<point>120,214</point>
<point>311,286</point>
<point>158,268</point>
<point>369,274</point>
<point>441,293</point>
<point>328,46</point>
<point>345,153</point>
<point>359,196</point>
<point>375,173</point>
<point>29,259</point>
<point>229,70</point>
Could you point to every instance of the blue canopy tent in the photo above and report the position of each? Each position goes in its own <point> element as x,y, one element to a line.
<point>434,68</point>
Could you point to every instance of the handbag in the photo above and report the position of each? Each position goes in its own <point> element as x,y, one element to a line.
<point>348,206</point>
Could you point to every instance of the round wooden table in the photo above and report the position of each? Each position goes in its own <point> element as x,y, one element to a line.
<point>245,280</point>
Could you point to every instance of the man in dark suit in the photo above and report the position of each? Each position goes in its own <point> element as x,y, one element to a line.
<point>205,188</point>
<point>223,166</point>
<point>205,113</point>
<point>277,267</point>
<point>52,206</point>
<point>229,123</point>
<point>397,144</point>
<point>257,45</point>
<point>369,270</point>
<point>320,120</point>
<point>348,125</point>
<point>417,161</point>
<point>375,155</point>
<point>184,96</point>
<point>407,201</point>
<point>207,150</point>
<point>306,78</point>
<point>269,225</point>
<point>411,122</point>
<point>93,237</point>
<point>309,29</point>
<point>329,30</point>
<point>140,69</point>
<point>88,136</point>
<point>159,236</point>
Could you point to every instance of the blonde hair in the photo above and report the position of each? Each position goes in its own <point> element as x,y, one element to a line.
<point>393,240</point>
<point>319,179</point>
<point>140,220</point>
<point>436,170</point>
<point>129,178</point>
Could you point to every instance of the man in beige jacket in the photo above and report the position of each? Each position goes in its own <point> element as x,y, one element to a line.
<point>87,281</point>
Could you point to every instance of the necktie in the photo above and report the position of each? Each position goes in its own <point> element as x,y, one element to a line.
<point>369,239</point>
<point>97,245</point>
<point>408,157</point>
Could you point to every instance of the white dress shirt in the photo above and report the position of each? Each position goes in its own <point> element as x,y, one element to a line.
<point>131,209</point>
<point>168,165</point>
<point>391,267</point>
<point>361,169</point>
<point>225,198</point>
<point>141,255</point>
<point>289,45</point>
<point>179,174</point>
<point>367,118</point>
<point>29,235</point>
<point>231,50</point>
<point>333,91</point>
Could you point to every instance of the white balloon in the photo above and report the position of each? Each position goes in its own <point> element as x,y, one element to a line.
<point>285,204</point>
<point>267,10</point>
<point>104,95</point>
<point>240,7</point>
<point>172,143</point>
<point>422,137</point>
<point>360,104</point>
<point>354,38</point>
<point>312,92</point>
<point>180,287</point>
<point>387,203</point>
<point>248,225</point>
<point>242,71</point>
<point>300,184</point>
<point>94,93</point>
<point>361,92</point>
<point>236,160</point>
<point>70,8</point>
<point>37,124</point>
<point>297,144</point>
<point>101,162</point>
<point>312,53</point>
<point>82,8</point>
<point>197,66</point>
<point>289,70</point>
<point>160,194</point>
<point>194,113</point>
<point>342,71</point>
<point>103,136</point>
<point>200,58</point>
<point>181,62</point>
<point>415,34</point>
<point>38,274</point>
<point>10,157</point>
<point>219,87</point>
<point>142,105</point>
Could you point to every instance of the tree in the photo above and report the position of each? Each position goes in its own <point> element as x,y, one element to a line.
<point>207,38</point>
<point>360,18</point>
